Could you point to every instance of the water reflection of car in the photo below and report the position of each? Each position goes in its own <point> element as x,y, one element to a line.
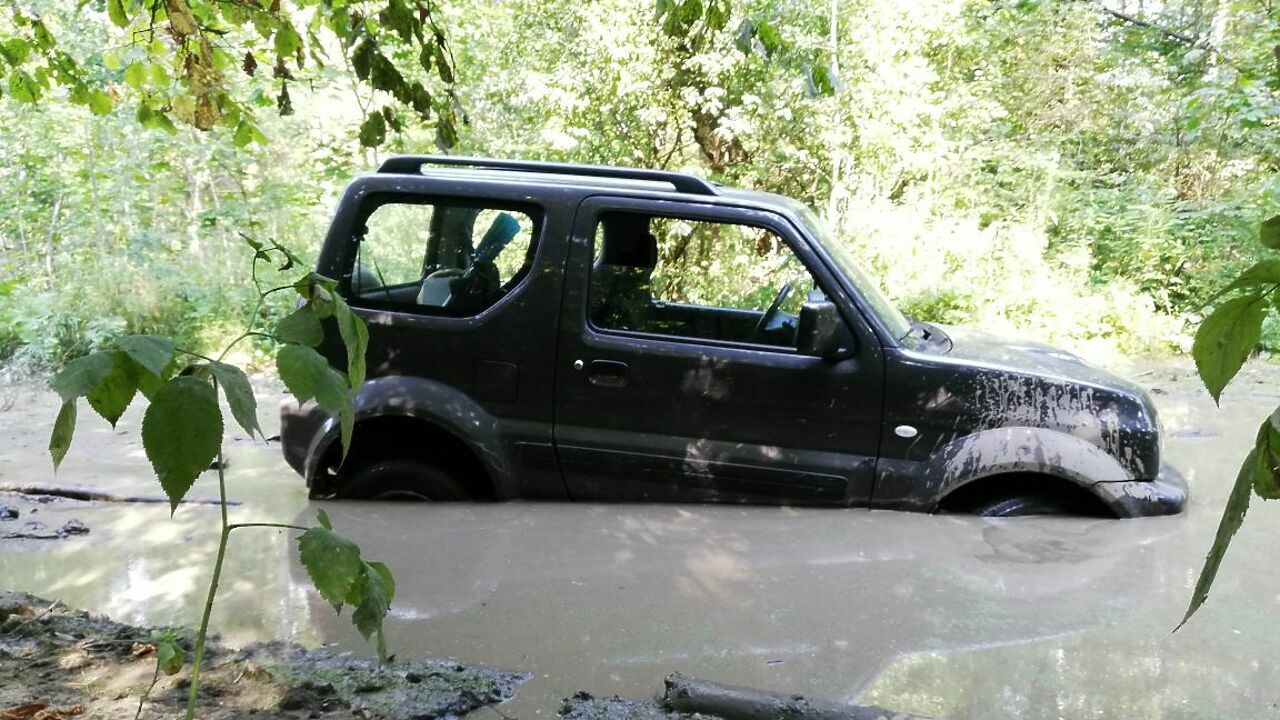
<point>564,331</point>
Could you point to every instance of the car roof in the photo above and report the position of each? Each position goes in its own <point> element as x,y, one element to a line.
<point>630,181</point>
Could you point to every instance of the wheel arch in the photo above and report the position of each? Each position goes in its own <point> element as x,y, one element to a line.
<point>1000,459</point>
<point>416,414</point>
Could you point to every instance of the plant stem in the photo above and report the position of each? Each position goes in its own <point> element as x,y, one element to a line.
<point>155,677</point>
<point>213,585</point>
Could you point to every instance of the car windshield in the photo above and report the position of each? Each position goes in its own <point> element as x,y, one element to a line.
<point>897,323</point>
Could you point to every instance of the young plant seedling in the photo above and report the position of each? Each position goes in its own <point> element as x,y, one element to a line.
<point>182,433</point>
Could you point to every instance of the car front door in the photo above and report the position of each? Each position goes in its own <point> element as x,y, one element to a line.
<point>678,376</point>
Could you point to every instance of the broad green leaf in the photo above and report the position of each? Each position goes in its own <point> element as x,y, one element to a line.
<point>287,40</point>
<point>1264,273</point>
<point>100,103</point>
<point>1269,233</point>
<point>64,429</point>
<point>149,384</point>
<point>22,87</point>
<point>1232,518</point>
<point>302,327</point>
<point>15,51</point>
<point>373,131</point>
<point>152,352</point>
<point>112,395</point>
<point>355,336</point>
<point>181,433</point>
<point>117,13</point>
<point>332,561</point>
<point>235,385</point>
<point>1266,468</point>
<point>1225,340</point>
<point>82,375</point>
<point>375,592</point>
<point>170,657</point>
<point>135,76</point>
<point>307,374</point>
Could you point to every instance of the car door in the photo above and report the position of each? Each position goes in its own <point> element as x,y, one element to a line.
<point>670,388</point>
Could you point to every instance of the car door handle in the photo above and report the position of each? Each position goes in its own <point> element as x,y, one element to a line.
<point>608,373</point>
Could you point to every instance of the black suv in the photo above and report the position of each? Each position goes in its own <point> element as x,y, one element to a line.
<point>544,330</point>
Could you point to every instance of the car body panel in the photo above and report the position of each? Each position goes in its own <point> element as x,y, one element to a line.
<point>531,387</point>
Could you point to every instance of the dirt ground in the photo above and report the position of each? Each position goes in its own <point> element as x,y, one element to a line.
<point>944,616</point>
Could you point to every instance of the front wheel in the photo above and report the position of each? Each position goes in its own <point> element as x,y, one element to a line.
<point>401,479</point>
<point>1022,505</point>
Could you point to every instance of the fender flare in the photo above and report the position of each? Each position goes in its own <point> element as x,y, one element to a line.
<point>434,403</point>
<point>1040,451</point>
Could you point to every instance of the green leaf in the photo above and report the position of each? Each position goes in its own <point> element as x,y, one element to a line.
<point>23,87</point>
<point>112,395</point>
<point>1266,272</point>
<point>1269,233</point>
<point>355,336</point>
<point>307,374</point>
<point>15,51</point>
<point>332,561</point>
<point>1232,517</point>
<point>769,37</point>
<point>152,352</point>
<point>287,40</point>
<point>115,10</point>
<point>302,327</point>
<point>82,375</point>
<point>170,657</point>
<point>181,433</point>
<point>373,131</point>
<point>372,599</point>
<point>149,384</point>
<point>64,429</point>
<point>100,103</point>
<point>135,76</point>
<point>235,385</point>
<point>1225,340</point>
<point>1266,467</point>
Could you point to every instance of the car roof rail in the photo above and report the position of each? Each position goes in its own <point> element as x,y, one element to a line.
<point>682,182</point>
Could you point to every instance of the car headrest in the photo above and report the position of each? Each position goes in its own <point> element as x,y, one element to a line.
<point>628,242</point>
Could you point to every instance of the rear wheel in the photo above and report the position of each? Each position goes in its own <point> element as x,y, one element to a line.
<point>401,479</point>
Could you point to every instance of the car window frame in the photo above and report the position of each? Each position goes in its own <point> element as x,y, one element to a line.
<point>597,206</point>
<point>369,204</point>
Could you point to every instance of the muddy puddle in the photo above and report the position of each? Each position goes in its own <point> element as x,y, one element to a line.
<point>946,616</point>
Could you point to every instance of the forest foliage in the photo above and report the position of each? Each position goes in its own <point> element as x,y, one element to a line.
<point>1088,173</point>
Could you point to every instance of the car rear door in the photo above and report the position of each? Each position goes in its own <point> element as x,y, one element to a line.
<point>665,388</point>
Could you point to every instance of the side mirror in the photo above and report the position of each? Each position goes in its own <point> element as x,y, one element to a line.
<point>822,333</point>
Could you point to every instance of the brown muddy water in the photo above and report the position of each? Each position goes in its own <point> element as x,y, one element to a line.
<point>947,616</point>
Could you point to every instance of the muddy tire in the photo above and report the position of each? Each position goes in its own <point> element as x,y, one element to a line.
<point>1022,505</point>
<point>401,479</point>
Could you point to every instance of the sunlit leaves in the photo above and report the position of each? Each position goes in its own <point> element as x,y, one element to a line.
<point>81,375</point>
<point>1225,340</point>
<point>342,577</point>
<point>373,131</point>
<point>181,433</point>
<point>182,79</point>
<point>111,396</point>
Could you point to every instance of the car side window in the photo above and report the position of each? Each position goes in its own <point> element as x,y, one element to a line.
<point>696,279</point>
<point>440,258</point>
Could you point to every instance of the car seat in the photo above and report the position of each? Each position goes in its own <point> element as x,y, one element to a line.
<point>621,289</point>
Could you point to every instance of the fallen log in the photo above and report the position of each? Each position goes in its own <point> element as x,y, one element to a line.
<point>686,695</point>
<point>82,493</point>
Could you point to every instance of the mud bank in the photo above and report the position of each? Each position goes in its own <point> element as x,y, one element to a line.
<point>74,663</point>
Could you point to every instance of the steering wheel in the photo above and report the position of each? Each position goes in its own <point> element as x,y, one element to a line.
<point>784,292</point>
